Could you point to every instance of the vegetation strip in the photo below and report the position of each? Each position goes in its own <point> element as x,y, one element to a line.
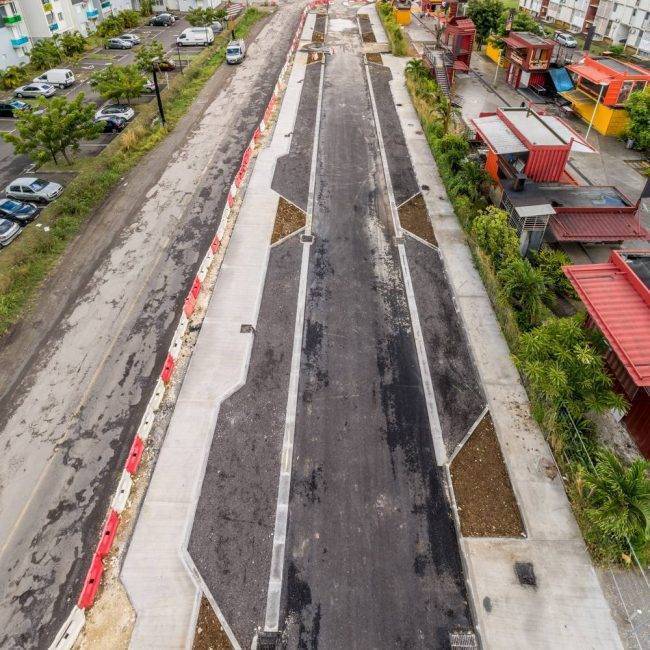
<point>26,263</point>
<point>398,44</point>
<point>560,360</point>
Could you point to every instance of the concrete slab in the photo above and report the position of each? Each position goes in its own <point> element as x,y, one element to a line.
<point>377,26</point>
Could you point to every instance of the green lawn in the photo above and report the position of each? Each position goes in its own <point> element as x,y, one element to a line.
<point>510,4</point>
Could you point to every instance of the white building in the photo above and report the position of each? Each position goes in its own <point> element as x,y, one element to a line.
<point>14,37</point>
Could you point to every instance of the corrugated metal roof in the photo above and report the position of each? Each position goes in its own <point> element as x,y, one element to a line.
<point>619,303</point>
<point>497,135</point>
<point>589,72</point>
<point>579,144</point>
<point>596,227</point>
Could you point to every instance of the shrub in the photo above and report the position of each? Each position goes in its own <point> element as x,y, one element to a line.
<point>146,7</point>
<point>638,107</point>
<point>13,76</point>
<point>72,43</point>
<point>393,30</point>
<point>495,236</point>
<point>526,290</point>
<point>550,262</point>
<point>45,54</point>
<point>617,49</point>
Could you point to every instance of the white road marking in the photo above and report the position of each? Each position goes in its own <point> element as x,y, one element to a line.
<point>274,593</point>
<point>425,373</point>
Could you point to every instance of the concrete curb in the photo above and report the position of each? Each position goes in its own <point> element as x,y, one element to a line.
<point>74,624</point>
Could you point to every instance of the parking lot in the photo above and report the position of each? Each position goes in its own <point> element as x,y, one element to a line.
<point>12,166</point>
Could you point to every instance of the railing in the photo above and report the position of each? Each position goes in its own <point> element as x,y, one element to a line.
<point>12,20</point>
<point>517,58</point>
<point>92,13</point>
<point>106,4</point>
<point>53,26</point>
<point>20,41</point>
<point>542,64</point>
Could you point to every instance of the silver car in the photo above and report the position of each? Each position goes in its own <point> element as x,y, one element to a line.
<point>30,188</point>
<point>9,230</point>
<point>134,38</point>
<point>35,90</point>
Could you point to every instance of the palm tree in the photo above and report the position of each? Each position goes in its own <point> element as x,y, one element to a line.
<point>526,289</point>
<point>417,69</point>
<point>618,497</point>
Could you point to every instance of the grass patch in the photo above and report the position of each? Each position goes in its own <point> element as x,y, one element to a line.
<point>398,44</point>
<point>25,263</point>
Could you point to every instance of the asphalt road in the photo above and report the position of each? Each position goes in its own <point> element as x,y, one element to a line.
<point>372,559</point>
<point>76,374</point>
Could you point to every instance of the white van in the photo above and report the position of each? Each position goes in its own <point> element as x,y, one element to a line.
<point>60,77</point>
<point>235,52</point>
<point>195,36</point>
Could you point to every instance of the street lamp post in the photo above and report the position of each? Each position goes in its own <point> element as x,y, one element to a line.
<point>155,83</point>
<point>180,61</point>
<point>593,115</point>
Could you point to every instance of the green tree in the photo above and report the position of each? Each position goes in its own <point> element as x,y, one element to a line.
<point>146,7</point>
<point>562,362</point>
<point>550,262</point>
<point>485,15</point>
<point>13,76</point>
<point>72,43</point>
<point>57,127</point>
<point>638,107</point>
<point>148,54</point>
<point>199,17</point>
<point>618,499</point>
<point>118,82</point>
<point>495,236</point>
<point>129,18</point>
<point>471,181</point>
<point>521,22</point>
<point>417,69</point>
<point>45,54</point>
<point>453,149</point>
<point>526,290</point>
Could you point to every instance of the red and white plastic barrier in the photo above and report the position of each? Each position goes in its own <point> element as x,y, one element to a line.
<point>71,629</point>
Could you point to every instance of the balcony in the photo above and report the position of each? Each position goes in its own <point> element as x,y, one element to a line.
<point>53,27</point>
<point>91,14</point>
<point>12,20</point>
<point>541,64</point>
<point>106,4</point>
<point>47,6</point>
<point>515,57</point>
<point>20,41</point>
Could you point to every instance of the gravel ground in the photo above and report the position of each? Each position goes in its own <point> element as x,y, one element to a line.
<point>288,219</point>
<point>413,217</point>
<point>209,634</point>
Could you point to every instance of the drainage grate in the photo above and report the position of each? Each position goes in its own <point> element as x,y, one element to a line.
<point>306,239</point>
<point>463,639</point>
<point>525,574</point>
<point>268,641</point>
<point>247,329</point>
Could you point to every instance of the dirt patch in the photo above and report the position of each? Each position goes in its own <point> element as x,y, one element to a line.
<point>413,216</point>
<point>374,58</point>
<point>368,37</point>
<point>314,57</point>
<point>318,37</point>
<point>209,634</point>
<point>288,219</point>
<point>486,503</point>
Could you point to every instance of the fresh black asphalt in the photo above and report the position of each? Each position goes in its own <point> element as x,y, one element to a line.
<point>232,535</point>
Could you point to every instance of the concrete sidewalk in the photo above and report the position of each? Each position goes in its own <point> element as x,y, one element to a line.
<point>566,608</point>
<point>155,573</point>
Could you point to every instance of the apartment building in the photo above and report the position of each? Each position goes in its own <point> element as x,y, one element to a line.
<point>14,38</point>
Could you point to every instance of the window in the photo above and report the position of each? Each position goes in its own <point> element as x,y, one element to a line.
<point>59,16</point>
<point>628,88</point>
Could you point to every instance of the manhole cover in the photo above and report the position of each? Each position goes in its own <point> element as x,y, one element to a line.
<point>463,639</point>
<point>525,574</point>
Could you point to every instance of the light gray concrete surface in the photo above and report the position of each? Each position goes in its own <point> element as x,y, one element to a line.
<point>377,26</point>
<point>567,608</point>
<point>158,583</point>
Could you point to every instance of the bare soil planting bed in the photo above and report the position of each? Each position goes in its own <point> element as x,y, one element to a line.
<point>374,58</point>
<point>288,219</point>
<point>314,57</point>
<point>318,37</point>
<point>209,634</point>
<point>486,503</point>
<point>413,216</point>
<point>368,37</point>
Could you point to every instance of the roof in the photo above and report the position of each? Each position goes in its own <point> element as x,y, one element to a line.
<point>566,133</point>
<point>620,66</point>
<point>617,297</point>
<point>596,227</point>
<point>497,135</point>
<point>527,39</point>
<point>567,197</point>
<point>589,72</point>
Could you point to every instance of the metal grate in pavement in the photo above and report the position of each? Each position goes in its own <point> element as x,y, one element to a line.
<point>463,639</point>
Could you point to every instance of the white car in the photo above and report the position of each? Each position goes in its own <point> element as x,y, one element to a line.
<point>9,230</point>
<point>30,188</point>
<point>35,90</point>
<point>115,110</point>
<point>60,77</point>
<point>565,39</point>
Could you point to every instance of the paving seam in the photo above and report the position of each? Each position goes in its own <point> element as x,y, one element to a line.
<point>420,240</point>
<point>274,593</point>
<point>427,384</point>
<point>470,431</point>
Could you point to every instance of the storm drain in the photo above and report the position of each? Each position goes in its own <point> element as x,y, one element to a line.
<point>268,641</point>
<point>463,639</point>
<point>525,574</point>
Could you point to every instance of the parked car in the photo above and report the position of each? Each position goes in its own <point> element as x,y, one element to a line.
<point>165,65</point>
<point>565,39</point>
<point>149,86</point>
<point>217,27</point>
<point>162,20</point>
<point>235,52</point>
<point>195,36</point>
<point>35,90</point>
<point>115,110</point>
<point>30,188</point>
<point>118,44</point>
<point>59,77</point>
<point>21,213</point>
<point>134,38</point>
<point>11,107</point>
<point>111,123</point>
<point>9,230</point>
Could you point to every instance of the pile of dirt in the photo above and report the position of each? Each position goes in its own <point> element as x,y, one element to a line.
<point>368,37</point>
<point>413,216</point>
<point>288,219</point>
<point>374,58</point>
<point>314,57</point>
<point>209,634</point>
<point>487,506</point>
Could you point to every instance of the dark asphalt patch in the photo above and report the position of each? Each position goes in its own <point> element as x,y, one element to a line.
<point>372,557</point>
<point>232,535</point>
<point>402,177</point>
<point>291,177</point>
<point>459,396</point>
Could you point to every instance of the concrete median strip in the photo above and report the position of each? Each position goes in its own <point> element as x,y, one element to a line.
<point>73,626</point>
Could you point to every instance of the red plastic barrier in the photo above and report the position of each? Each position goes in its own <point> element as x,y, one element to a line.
<point>216,244</point>
<point>168,368</point>
<point>196,288</point>
<point>108,534</point>
<point>246,158</point>
<point>189,305</point>
<point>91,583</point>
<point>240,176</point>
<point>257,134</point>
<point>135,454</point>
<point>230,200</point>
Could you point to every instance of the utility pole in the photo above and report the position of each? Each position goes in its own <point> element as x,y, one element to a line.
<point>155,83</point>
